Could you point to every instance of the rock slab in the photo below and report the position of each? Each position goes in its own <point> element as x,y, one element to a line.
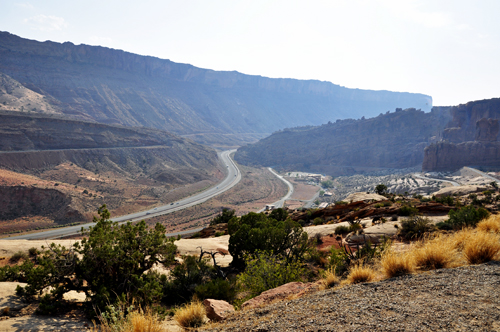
<point>217,310</point>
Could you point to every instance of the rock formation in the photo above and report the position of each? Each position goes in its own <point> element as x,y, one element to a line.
<point>116,87</point>
<point>471,138</point>
<point>391,140</point>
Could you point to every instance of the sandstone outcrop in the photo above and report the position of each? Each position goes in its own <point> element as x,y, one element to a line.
<point>217,310</point>
<point>118,87</point>
<point>280,293</point>
<point>470,140</point>
<point>459,190</point>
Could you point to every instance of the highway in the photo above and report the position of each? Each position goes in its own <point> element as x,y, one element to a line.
<point>232,178</point>
<point>281,202</point>
<point>478,172</point>
<point>453,183</point>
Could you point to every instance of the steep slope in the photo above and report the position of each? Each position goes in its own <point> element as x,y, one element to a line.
<point>117,87</point>
<point>391,140</point>
<point>470,139</point>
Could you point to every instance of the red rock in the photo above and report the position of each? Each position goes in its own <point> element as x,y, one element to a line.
<point>217,309</point>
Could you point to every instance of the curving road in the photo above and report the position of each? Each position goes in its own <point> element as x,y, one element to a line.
<point>453,183</point>
<point>281,202</point>
<point>232,178</point>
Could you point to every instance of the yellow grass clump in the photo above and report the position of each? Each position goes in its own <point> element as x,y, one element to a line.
<point>438,253</point>
<point>330,279</point>
<point>136,321</point>
<point>190,315</point>
<point>360,273</point>
<point>491,224</point>
<point>482,248</point>
<point>397,264</point>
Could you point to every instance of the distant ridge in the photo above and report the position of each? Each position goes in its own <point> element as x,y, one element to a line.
<point>117,87</point>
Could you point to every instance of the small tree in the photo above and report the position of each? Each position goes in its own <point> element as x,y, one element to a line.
<point>223,217</point>
<point>381,189</point>
<point>108,265</point>
<point>255,231</point>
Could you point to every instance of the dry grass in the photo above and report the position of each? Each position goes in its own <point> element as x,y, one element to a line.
<point>330,279</point>
<point>137,321</point>
<point>190,315</point>
<point>459,239</point>
<point>482,248</point>
<point>438,253</point>
<point>397,264</point>
<point>360,273</point>
<point>491,224</point>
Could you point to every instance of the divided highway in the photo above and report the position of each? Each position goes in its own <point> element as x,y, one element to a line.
<point>232,178</point>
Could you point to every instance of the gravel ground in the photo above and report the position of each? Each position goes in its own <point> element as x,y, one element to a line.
<point>460,299</point>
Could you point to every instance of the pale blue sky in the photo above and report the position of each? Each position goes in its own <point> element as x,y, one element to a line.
<point>447,49</point>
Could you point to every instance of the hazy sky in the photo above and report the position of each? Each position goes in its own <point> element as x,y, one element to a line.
<point>447,49</point>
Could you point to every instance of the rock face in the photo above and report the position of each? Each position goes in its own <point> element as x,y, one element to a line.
<point>471,138</point>
<point>164,157</point>
<point>116,87</point>
<point>217,310</point>
<point>391,140</point>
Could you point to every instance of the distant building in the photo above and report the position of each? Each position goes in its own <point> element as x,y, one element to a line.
<point>270,207</point>
<point>327,193</point>
<point>323,205</point>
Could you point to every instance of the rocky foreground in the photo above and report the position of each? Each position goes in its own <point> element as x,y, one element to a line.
<point>459,299</point>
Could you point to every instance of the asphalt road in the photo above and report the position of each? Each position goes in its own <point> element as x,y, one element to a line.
<point>281,202</point>
<point>453,183</point>
<point>483,174</point>
<point>232,178</point>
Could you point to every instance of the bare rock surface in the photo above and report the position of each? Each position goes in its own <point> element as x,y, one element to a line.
<point>8,297</point>
<point>460,299</point>
<point>460,190</point>
<point>357,197</point>
<point>217,310</point>
<point>279,293</point>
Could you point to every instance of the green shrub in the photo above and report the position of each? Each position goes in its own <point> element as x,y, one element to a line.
<point>266,271</point>
<point>218,289</point>
<point>318,221</point>
<point>340,203</point>
<point>415,227</point>
<point>33,251</point>
<point>408,210</point>
<point>337,260</point>
<point>18,256</point>
<point>381,189</point>
<point>340,230</point>
<point>223,217</point>
<point>256,232</point>
<point>468,216</point>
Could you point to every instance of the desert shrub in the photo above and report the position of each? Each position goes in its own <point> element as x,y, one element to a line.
<point>279,214</point>
<point>337,260</point>
<point>396,264</point>
<point>218,289</point>
<point>468,216</point>
<point>360,273</point>
<point>381,189</point>
<point>415,227</point>
<point>491,224</point>
<point>266,271</point>
<point>217,234</point>
<point>445,200</point>
<point>340,230</point>
<point>185,277</point>
<point>340,203</point>
<point>318,221</point>
<point>394,217</point>
<point>444,226</point>
<point>190,315</point>
<point>482,248</point>
<point>18,256</point>
<point>33,251</point>
<point>256,232</point>
<point>109,264</point>
<point>223,217</point>
<point>408,210</point>
<point>436,254</point>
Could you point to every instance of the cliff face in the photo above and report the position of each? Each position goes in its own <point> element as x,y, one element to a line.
<point>392,140</point>
<point>32,143</point>
<point>113,86</point>
<point>469,140</point>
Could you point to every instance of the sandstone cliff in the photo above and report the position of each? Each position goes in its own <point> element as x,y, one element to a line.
<point>391,140</point>
<point>116,87</point>
<point>470,139</point>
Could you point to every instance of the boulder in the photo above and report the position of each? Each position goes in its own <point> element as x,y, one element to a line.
<point>217,310</point>
<point>280,293</point>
